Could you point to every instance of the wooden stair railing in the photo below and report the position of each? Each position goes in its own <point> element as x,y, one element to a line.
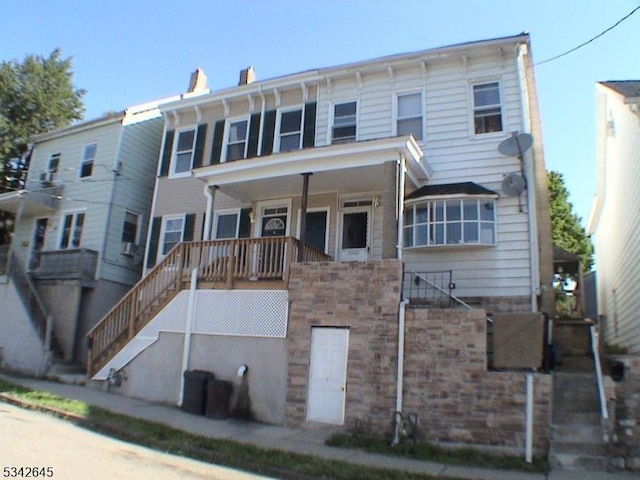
<point>136,309</point>
<point>267,258</point>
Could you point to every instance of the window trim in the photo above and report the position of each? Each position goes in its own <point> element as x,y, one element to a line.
<point>138,215</point>
<point>63,216</point>
<point>480,199</point>
<point>472,108</point>
<point>174,151</point>
<point>332,118</point>
<point>84,161</point>
<point>402,93</point>
<point>222,212</point>
<point>163,231</point>
<point>277,134</point>
<point>227,131</point>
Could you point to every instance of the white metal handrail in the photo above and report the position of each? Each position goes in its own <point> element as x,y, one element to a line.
<point>596,360</point>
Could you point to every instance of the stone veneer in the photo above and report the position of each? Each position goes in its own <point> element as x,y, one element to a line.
<point>626,445</point>
<point>446,379</point>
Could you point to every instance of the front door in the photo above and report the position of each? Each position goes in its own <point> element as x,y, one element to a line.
<point>354,234</point>
<point>272,254</point>
<point>37,245</point>
<point>328,375</point>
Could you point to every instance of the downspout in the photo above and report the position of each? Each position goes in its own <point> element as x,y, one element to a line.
<point>401,170</point>
<point>528,449</point>
<point>209,192</point>
<point>527,166</point>
<point>188,329</point>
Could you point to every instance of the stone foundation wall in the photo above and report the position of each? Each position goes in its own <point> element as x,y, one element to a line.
<point>627,414</point>
<point>446,379</point>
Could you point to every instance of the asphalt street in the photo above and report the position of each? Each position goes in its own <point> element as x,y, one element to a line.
<point>48,447</point>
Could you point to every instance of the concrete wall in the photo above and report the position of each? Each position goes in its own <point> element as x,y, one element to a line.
<point>627,414</point>
<point>21,349</point>
<point>446,379</point>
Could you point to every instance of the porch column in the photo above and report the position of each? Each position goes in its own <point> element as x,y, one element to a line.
<point>210,193</point>
<point>303,214</point>
<point>390,208</point>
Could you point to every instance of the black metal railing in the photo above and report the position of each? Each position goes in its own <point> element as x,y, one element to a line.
<point>429,289</point>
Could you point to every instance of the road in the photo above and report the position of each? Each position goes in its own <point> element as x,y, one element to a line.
<point>35,439</point>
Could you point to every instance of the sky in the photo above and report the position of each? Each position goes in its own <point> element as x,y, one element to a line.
<point>127,52</point>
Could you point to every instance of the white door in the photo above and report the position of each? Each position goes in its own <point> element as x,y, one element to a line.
<point>328,375</point>
<point>354,234</point>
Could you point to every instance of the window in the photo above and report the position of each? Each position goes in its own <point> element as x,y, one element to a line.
<point>185,147</point>
<point>459,221</point>
<point>237,140</point>
<point>54,163</point>
<point>171,233</point>
<point>72,224</point>
<point>344,123</point>
<point>290,130</point>
<point>88,158</point>
<point>409,115</point>
<point>487,110</point>
<point>130,227</point>
<point>227,225</point>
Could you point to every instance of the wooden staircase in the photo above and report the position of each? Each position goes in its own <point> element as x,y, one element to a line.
<point>219,263</point>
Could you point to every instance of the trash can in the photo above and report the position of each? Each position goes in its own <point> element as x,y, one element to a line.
<point>194,392</point>
<point>218,395</point>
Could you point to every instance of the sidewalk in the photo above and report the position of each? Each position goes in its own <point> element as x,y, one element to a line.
<point>308,441</point>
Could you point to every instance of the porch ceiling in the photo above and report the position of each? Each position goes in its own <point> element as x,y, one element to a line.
<point>348,168</point>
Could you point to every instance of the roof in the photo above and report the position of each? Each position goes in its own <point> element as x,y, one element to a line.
<point>627,88</point>
<point>464,188</point>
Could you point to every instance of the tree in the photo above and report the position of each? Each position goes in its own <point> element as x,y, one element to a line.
<point>567,231</point>
<point>36,95</point>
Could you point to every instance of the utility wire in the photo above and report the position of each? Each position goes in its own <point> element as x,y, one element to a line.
<point>592,39</point>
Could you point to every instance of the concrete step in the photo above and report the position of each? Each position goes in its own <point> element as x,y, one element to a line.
<point>579,448</point>
<point>576,433</point>
<point>568,461</point>
<point>576,419</point>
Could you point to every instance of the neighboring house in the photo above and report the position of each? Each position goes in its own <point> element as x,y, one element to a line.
<point>293,216</point>
<point>80,226</point>
<point>615,222</point>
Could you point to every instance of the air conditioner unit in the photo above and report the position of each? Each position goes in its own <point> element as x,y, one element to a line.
<point>46,177</point>
<point>129,248</point>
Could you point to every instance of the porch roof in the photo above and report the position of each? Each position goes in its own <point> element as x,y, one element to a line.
<point>448,189</point>
<point>348,167</point>
<point>33,201</point>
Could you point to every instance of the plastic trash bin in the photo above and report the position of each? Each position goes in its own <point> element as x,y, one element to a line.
<point>194,392</point>
<point>218,395</point>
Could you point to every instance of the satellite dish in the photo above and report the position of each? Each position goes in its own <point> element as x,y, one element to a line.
<point>516,144</point>
<point>513,185</point>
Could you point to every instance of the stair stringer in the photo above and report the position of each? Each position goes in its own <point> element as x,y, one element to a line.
<point>171,318</point>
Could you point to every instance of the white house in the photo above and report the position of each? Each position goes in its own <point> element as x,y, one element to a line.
<point>294,218</point>
<point>614,221</point>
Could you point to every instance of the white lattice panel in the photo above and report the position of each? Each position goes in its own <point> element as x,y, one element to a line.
<point>245,313</point>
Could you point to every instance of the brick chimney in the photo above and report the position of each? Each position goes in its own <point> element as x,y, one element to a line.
<point>247,76</point>
<point>198,81</point>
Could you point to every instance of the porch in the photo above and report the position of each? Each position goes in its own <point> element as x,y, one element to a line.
<point>250,263</point>
<point>77,264</point>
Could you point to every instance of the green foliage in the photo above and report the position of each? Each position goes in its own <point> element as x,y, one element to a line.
<point>36,95</point>
<point>567,231</point>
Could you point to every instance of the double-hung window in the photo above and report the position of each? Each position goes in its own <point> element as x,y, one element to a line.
<point>344,123</point>
<point>88,159</point>
<point>290,133</point>
<point>487,108</point>
<point>237,140</point>
<point>450,221</point>
<point>171,233</point>
<point>72,224</point>
<point>409,115</point>
<point>226,225</point>
<point>185,147</point>
<point>130,227</point>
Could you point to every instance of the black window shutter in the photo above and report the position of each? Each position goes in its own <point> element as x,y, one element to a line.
<point>189,224</point>
<point>218,139</point>
<point>254,135</point>
<point>309,135</point>
<point>244,230</point>
<point>201,136</point>
<point>153,241</point>
<point>166,153</point>
<point>268,131</point>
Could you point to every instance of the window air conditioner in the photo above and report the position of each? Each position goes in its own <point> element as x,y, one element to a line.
<point>46,177</point>
<point>129,248</point>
